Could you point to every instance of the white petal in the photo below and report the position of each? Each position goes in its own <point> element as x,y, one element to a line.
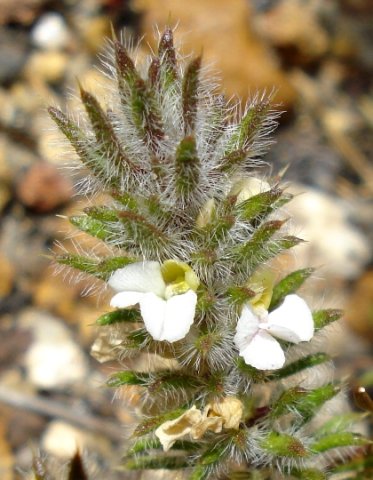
<point>180,311</point>
<point>139,277</point>
<point>263,352</point>
<point>168,320</point>
<point>153,312</point>
<point>291,321</point>
<point>126,299</point>
<point>247,327</point>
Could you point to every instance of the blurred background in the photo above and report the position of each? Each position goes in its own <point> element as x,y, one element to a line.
<point>318,57</point>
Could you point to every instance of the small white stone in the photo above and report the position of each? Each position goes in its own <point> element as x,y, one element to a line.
<point>62,440</point>
<point>54,360</point>
<point>332,240</point>
<point>50,32</point>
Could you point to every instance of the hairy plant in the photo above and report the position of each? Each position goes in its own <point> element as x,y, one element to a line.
<point>191,229</point>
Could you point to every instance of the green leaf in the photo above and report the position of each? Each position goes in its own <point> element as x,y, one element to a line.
<point>270,250</point>
<point>128,378</point>
<point>259,239</point>
<point>105,136</point>
<point>93,227</point>
<point>283,445</point>
<point>290,284</point>
<point>167,56</point>
<point>142,232</point>
<point>190,94</point>
<point>101,268</point>
<point>140,99</point>
<point>322,318</point>
<point>80,142</point>
<point>103,214</point>
<point>126,70</point>
<point>136,339</point>
<point>239,295</point>
<point>187,168</point>
<point>305,402</point>
<point>337,440</point>
<point>259,205</point>
<point>309,474</point>
<point>152,443</point>
<point>154,73</point>
<point>251,123</point>
<point>118,316</point>
<point>297,366</point>
<point>158,462</point>
<point>150,424</point>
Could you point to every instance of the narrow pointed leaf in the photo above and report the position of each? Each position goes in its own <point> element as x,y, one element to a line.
<point>93,227</point>
<point>284,445</point>
<point>102,214</point>
<point>104,132</point>
<point>259,205</point>
<point>187,168</point>
<point>154,72</point>
<point>260,238</point>
<point>79,142</point>
<point>190,95</point>
<point>128,378</point>
<point>138,99</point>
<point>290,284</point>
<point>271,249</point>
<point>309,474</point>
<point>322,318</point>
<point>101,268</point>
<point>126,70</point>
<point>305,402</point>
<point>250,124</point>
<point>142,232</point>
<point>293,368</point>
<point>119,316</point>
<point>155,463</point>
<point>167,56</point>
<point>239,295</point>
<point>337,440</point>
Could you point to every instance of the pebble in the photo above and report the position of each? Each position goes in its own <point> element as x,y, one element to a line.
<point>43,188</point>
<point>49,66</point>
<point>54,360</point>
<point>333,242</point>
<point>62,440</point>
<point>50,32</point>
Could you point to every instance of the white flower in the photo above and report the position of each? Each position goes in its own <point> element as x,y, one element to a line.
<point>165,293</point>
<point>256,329</point>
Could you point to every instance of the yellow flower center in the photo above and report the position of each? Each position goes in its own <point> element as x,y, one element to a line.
<point>179,278</point>
<point>262,283</point>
